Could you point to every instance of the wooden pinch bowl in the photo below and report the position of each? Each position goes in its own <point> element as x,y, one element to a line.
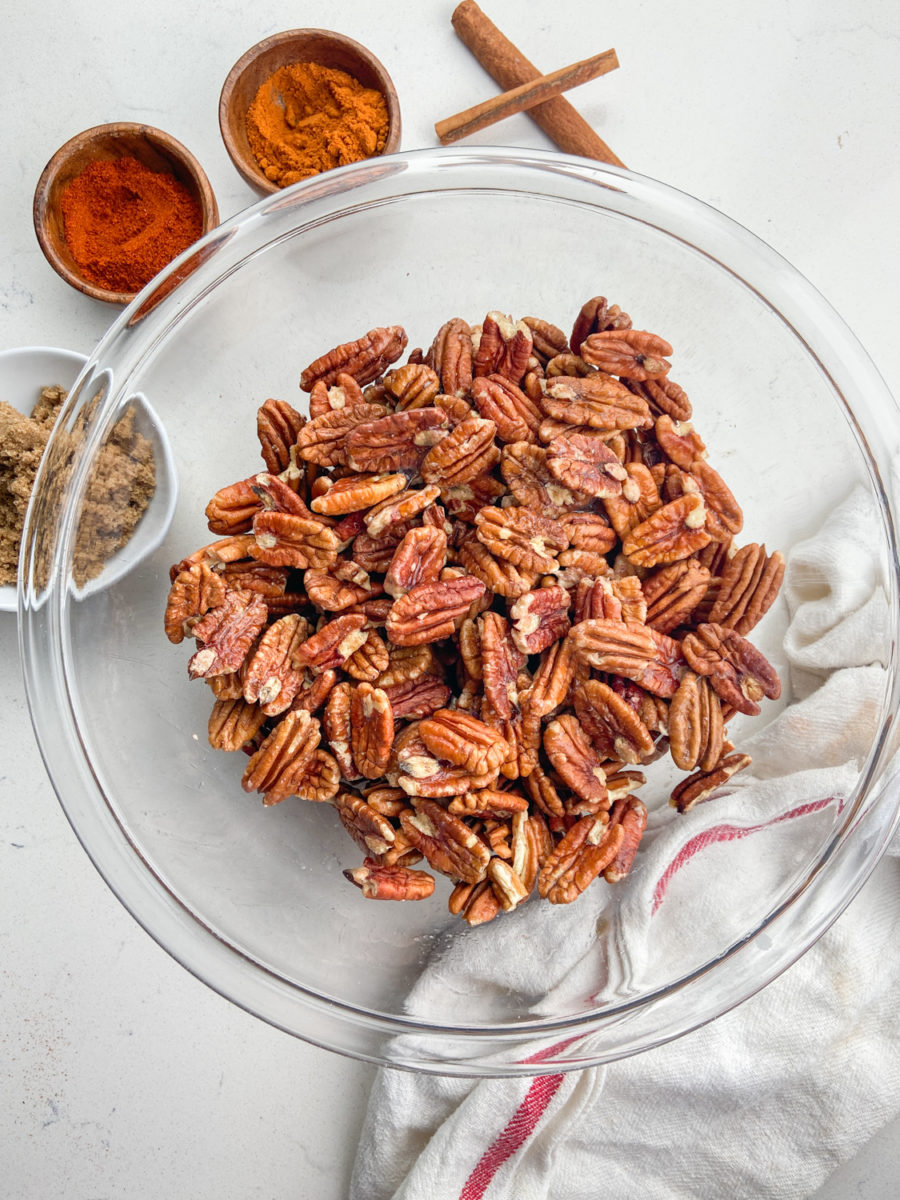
<point>155,149</point>
<point>268,56</point>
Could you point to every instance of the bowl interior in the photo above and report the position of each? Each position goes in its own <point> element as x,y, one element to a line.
<point>156,149</point>
<point>253,899</point>
<point>264,59</point>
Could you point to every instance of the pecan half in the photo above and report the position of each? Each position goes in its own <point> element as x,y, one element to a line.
<point>284,540</point>
<point>420,697</point>
<point>193,593</point>
<point>320,779</point>
<point>364,359</point>
<point>679,441</point>
<point>336,727</point>
<point>373,833</point>
<point>345,392</point>
<point>451,356</point>
<point>400,507</point>
<point>663,395</point>
<point>584,463</point>
<point>631,814</point>
<point>575,761</point>
<point>333,644</point>
<point>589,531</point>
<point>498,575</point>
<point>370,660</point>
<point>419,558</point>
<point>588,848</point>
<point>677,530</point>
<point>467,451</point>
<point>476,903</point>
<point>547,340</point>
<point>673,593</point>
<point>461,739</point>
<point>631,650</point>
<point>596,316</point>
<point>278,426</point>
<point>464,501</point>
<point>226,633</point>
<point>740,674</point>
<point>628,353</point>
<point>357,492</point>
<point>598,401</point>
<point>503,347</point>
<point>398,442</point>
<point>270,677</point>
<point>695,726</point>
<point>613,727</point>
<point>516,417</point>
<point>749,584</point>
<point>703,784</point>
<point>488,804</point>
<point>323,440</point>
<point>233,508</point>
<point>280,761</point>
<point>501,662</point>
<point>377,882</point>
<point>234,723</point>
<point>344,585</point>
<point>445,841</point>
<point>517,535</point>
<point>414,385</point>
<point>371,730</point>
<point>540,618</point>
<point>429,612</point>
<point>508,887</point>
<point>638,499</point>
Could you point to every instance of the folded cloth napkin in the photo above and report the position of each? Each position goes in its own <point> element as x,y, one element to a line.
<point>765,1101</point>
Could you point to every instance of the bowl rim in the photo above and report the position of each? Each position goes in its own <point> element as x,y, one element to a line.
<point>40,206</point>
<point>261,991</point>
<point>246,166</point>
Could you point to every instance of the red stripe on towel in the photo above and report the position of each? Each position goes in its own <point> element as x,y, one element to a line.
<point>518,1129</point>
<point>725,833</point>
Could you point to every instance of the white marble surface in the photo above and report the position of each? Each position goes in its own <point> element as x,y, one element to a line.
<point>122,1076</point>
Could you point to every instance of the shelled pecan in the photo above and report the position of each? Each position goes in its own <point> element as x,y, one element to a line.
<point>504,574</point>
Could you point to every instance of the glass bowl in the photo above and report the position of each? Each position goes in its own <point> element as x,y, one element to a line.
<point>252,900</point>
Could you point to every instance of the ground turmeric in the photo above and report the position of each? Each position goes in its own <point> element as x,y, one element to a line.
<point>307,118</point>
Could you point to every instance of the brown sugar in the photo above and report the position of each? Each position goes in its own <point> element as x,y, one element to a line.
<point>120,487</point>
<point>118,492</point>
<point>22,443</point>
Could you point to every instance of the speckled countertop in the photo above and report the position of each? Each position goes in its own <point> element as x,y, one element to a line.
<point>122,1076</point>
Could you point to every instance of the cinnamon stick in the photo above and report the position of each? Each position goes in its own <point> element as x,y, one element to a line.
<point>510,68</point>
<point>526,96</point>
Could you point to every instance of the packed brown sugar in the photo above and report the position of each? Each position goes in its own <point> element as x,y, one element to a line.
<point>120,488</point>
<point>308,118</point>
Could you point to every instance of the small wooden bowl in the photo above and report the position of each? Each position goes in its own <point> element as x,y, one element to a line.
<point>265,58</point>
<point>155,149</point>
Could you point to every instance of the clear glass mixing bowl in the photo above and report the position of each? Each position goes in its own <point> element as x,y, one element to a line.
<point>252,900</point>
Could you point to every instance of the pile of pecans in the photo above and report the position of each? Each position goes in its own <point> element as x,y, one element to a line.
<point>470,595</point>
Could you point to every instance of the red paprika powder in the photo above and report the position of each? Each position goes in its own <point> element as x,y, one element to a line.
<point>123,222</point>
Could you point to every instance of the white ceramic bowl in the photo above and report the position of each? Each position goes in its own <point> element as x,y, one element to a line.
<point>24,371</point>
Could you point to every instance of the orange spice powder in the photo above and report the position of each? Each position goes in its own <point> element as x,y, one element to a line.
<point>124,222</point>
<point>307,118</point>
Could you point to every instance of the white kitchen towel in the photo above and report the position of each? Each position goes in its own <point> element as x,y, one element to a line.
<point>765,1101</point>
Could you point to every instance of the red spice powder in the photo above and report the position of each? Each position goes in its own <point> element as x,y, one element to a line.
<point>123,222</point>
